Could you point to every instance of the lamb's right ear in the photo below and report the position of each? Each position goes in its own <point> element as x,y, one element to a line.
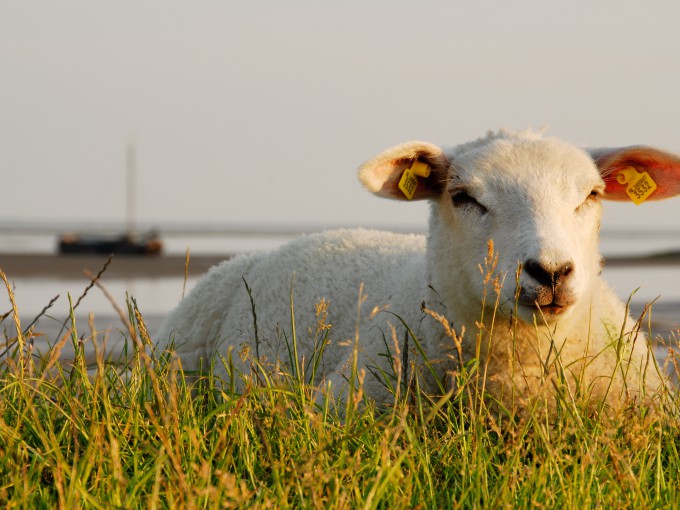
<point>382,174</point>
<point>663,168</point>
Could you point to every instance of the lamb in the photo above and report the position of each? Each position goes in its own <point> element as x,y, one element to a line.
<point>537,199</point>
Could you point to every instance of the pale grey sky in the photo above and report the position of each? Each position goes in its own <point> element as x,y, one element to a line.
<point>260,112</point>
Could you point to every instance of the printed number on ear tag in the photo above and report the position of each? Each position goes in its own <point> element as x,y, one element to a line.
<point>640,185</point>
<point>409,181</point>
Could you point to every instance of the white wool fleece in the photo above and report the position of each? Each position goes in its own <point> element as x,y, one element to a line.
<point>333,265</point>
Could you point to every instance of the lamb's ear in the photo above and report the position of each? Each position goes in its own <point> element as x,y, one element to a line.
<point>663,167</point>
<point>382,174</point>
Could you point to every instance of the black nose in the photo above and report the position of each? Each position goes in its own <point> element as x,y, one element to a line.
<point>548,276</point>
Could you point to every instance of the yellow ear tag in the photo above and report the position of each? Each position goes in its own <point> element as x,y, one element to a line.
<point>409,181</point>
<point>640,185</point>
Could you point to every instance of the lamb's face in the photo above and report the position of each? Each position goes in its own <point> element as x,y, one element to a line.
<point>538,201</point>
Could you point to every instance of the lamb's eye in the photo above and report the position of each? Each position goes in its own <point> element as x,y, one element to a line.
<point>592,197</point>
<point>463,199</point>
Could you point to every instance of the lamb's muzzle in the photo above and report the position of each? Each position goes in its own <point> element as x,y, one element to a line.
<point>552,296</point>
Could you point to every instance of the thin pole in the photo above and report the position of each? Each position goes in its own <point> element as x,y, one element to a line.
<point>131,189</point>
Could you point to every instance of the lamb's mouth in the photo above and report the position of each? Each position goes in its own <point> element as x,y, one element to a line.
<point>550,310</point>
<point>546,301</point>
<point>551,307</point>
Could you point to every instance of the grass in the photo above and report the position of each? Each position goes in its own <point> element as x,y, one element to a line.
<point>147,437</point>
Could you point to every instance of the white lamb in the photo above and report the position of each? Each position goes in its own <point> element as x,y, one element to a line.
<point>537,199</point>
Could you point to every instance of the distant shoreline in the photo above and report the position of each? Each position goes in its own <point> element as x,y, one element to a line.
<point>31,265</point>
<point>670,258</point>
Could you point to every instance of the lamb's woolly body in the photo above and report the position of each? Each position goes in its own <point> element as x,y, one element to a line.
<point>332,265</point>
<point>538,199</point>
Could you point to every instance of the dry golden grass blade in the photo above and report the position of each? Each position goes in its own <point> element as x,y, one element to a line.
<point>17,321</point>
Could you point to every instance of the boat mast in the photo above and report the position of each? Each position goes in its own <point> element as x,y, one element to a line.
<point>130,192</point>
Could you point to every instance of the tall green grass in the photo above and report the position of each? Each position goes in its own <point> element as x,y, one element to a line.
<point>139,434</point>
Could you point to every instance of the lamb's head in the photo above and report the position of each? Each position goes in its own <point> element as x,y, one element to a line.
<point>537,199</point>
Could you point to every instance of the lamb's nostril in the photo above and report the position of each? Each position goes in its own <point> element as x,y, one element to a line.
<point>548,276</point>
<point>538,272</point>
<point>564,271</point>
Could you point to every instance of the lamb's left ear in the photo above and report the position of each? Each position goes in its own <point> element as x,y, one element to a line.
<point>382,174</point>
<point>663,167</point>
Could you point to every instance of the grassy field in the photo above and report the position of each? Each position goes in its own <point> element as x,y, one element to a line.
<point>146,437</point>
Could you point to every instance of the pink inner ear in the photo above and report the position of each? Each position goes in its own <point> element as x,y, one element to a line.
<point>614,190</point>
<point>427,187</point>
<point>382,174</point>
<point>663,168</point>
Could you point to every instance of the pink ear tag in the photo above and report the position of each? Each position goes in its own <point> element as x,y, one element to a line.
<point>640,185</point>
<point>409,182</point>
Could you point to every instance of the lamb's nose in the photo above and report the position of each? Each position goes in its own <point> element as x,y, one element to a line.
<point>550,276</point>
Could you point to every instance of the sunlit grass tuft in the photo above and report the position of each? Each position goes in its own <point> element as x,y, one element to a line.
<point>138,433</point>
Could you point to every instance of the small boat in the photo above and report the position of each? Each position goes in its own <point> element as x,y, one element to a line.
<point>91,244</point>
<point>128,243</point>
